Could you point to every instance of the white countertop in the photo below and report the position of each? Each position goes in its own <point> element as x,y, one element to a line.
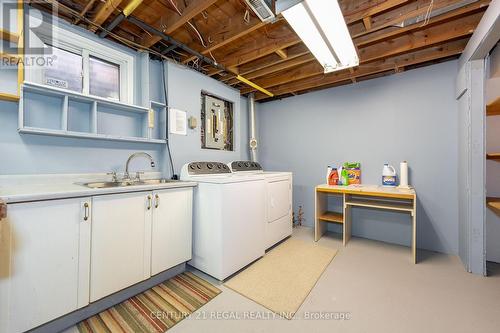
<point>15,189</point>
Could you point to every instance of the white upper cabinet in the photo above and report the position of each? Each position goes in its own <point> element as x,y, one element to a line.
<point>44,261</point>
<point>121,242</point>
<point>172,228</point>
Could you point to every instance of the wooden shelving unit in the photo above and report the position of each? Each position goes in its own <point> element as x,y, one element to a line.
<point>493,108</point>
<point>493,203</point>
<point>493,156</point>
<point>15,37</point>
<point>332,217</point>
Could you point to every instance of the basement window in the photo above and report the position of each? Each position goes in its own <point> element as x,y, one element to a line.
<point>66,72</point>
<point>83,65</point>
<point>104,78</point>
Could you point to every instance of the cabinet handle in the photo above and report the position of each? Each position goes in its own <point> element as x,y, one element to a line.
<point>86,211</point>
<point>157,203</point>
<point>150,203</point>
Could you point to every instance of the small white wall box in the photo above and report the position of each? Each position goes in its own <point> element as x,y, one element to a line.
<point>216,123</point>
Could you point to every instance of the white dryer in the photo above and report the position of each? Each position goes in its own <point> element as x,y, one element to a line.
<point>279,192</point>
<point>228,210</point>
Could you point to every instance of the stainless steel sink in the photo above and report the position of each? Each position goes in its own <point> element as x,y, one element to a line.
<point>129,183</point>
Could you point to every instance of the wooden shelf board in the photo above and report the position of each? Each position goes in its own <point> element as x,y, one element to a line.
<point>332,217</point>
<point>493,156</point>
<point>400,206</point>
<point>493,203</point>
<point>9,36</point>
<point>493,108</point>
<point>9,97</point>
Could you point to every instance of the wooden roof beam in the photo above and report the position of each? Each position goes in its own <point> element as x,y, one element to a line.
<point>375,8</point>
<point>422,38</point>
<point>227,34</point>
<point>194,8</point>
<point>380,35</point>
<point>84,11</point>
<point>104,11</point>
<point>407,43</point>
<point>304,59</point>
<point>282,53</point>
<point>420,56</point>
<point>272,59</point>
<point>261,47</point>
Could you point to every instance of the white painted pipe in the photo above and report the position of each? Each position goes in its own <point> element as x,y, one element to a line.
<point>252,128</point>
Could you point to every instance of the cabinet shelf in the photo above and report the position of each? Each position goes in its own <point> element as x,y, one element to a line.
<point>332,217</point>
<point>493,108</point>
<point>493,203</point>
<point>493,156</point>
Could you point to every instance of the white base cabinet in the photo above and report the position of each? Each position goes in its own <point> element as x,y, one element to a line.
<point>56,256</point>
<point>121,242</point>
<point>44,262</point>
<point>172,229</point>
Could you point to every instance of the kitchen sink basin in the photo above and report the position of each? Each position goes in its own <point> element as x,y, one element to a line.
<point>129,183</point>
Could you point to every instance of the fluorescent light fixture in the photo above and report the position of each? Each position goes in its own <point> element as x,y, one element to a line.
<point>321,26</point>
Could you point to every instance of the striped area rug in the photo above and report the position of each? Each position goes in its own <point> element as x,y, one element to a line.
<point>156,310</point>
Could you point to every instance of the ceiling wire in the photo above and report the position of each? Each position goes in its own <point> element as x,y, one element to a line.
<point>126,41</point>
<point>428,13</point>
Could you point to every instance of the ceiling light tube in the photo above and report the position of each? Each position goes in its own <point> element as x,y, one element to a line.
<point>321,26</point>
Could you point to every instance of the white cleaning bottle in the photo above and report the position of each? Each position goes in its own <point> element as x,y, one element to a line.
<point>328,172</point>
<point>388,175</point>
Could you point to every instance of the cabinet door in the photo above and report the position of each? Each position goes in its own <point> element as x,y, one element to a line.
<point>44,262</point>
<point>121,242</point>
<point>172,228</point>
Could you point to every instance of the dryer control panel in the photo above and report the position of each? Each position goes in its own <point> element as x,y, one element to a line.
<point>207,168</point>
<point>245,166</point>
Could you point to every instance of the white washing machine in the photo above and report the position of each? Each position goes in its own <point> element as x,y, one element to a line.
<point>228,210</point>
<point>279,192</point>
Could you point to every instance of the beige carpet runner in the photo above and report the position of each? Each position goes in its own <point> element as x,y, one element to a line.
<point>282,279</point>
<point>155,310</point>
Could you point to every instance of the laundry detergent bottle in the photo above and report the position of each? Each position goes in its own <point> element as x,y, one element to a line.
<point>388,175</point>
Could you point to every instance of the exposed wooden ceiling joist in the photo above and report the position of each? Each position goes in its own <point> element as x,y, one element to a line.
<point>425,55</point>
<point>195,7</point>
<point>271,55</point>
<point>229,33</point>
<point>105,10</point>
<point>371,8</point>
<point>424,37</point>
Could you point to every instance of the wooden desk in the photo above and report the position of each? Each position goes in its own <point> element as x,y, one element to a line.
<point>371,196</point>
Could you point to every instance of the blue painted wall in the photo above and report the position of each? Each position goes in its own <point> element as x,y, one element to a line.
<point>35,154</point>
<point>409,116</point>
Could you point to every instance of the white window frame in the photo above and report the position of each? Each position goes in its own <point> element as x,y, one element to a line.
<point>78,44</point>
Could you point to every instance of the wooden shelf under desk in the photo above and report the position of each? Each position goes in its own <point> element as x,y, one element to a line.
<point>493,203</point>
<point>493,108</point>
<point>399,206</point>
<point>493,156</point>
<point>332,217</point>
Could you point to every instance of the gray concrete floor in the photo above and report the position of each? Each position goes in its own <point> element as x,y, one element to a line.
<point>376,287</point>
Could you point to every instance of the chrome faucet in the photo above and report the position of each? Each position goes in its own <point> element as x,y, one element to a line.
<point>126,176</point>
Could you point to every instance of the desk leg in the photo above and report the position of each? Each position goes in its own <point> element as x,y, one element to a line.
<point>320,208</point>
<point>347,221</point>
<point>414,235</point>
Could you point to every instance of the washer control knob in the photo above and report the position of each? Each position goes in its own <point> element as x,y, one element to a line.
<point>210,165</point>
<point>198,166</point>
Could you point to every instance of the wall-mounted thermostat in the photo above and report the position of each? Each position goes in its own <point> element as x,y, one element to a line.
<point>216,123</point>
